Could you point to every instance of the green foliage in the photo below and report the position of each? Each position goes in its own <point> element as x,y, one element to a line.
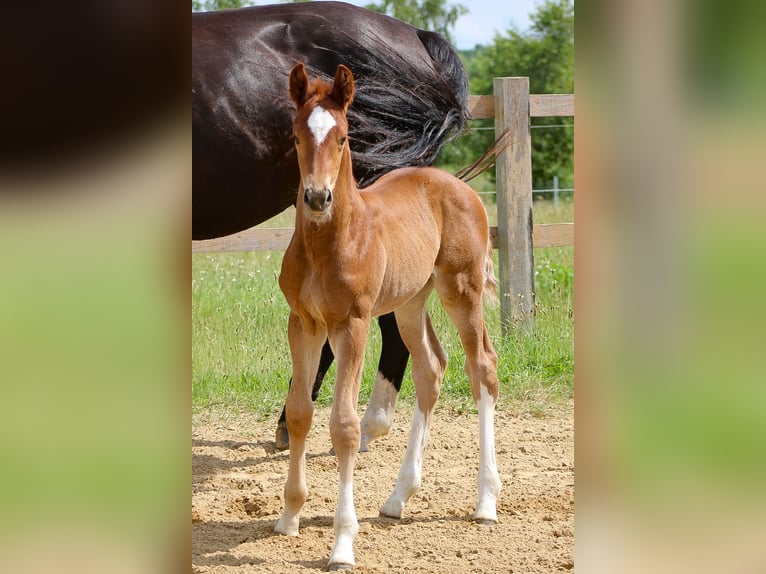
<point>434,15</point>
<point>546,55</point>
<point>210,5</point>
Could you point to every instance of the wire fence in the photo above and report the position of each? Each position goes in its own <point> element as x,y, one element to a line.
<point>555,190</point>
<point>488,128</point>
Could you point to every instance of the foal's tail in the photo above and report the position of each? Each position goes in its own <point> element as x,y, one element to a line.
<point>490,281</point>
<point>488,158</point>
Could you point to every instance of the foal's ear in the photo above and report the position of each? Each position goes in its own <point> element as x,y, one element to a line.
<point>298,84</point>
<point>343,87</point>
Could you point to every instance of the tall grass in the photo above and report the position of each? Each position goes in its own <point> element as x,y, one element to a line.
<point>241,359</point>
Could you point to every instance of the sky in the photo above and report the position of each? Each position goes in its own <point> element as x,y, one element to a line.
<point>487,17</point>
<point>484,19</point>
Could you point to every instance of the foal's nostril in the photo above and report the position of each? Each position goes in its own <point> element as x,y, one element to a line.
<point>306,197</point>
<point>329,197</point>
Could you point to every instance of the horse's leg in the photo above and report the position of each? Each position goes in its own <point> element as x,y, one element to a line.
<point>283,438</point>
<point>349,340</point>
<point>394,355</point>
<point>489,478</point>
<point>305,348</point>
<point>462,300</point>
<point>429,361</point>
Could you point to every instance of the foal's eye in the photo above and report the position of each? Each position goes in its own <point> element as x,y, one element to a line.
<point>296,141</point>
<point>342,141</point>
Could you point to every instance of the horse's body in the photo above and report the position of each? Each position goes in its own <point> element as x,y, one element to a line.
<point>357,253</point>
<point>411,98</point>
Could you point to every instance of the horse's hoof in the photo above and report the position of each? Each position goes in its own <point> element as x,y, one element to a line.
<point>332,450</point>
<point>282,439</point>
<point>339,566</point>
<point>392,509</point>
<point>485,521</point>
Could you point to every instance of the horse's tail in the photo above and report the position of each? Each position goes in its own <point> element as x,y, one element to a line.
<point>448,64</point>
<point>404,112</point>
<point>488,159</point>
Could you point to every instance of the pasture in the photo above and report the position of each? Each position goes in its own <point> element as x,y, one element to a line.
<point>241,360</point>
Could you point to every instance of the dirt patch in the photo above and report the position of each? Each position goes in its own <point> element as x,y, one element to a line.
<point>238,479</point>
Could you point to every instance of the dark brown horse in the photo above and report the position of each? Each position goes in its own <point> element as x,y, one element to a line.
<point>411,92</point>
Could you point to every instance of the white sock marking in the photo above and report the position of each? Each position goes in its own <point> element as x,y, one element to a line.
<point>380,411</point>
<point>320,123</point>
<point>346,526</point>
<point>408,481</point>
<point>489,480</point>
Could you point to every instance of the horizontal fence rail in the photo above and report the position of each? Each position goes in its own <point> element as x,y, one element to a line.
<point>278,238</point>
<point>540,106</point>
<point>515,236</point>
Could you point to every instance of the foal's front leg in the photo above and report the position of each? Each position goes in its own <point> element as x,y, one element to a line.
<point>348,341</point>
<point>305,347</point>
<point>282,439</point>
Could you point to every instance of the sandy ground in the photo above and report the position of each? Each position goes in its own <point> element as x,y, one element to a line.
<point>238,479</point>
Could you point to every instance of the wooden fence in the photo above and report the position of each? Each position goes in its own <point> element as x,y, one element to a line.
<point>515,236</point>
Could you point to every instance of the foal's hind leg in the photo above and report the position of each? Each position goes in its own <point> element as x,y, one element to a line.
<point>462,300</point>
<point>428,365</point>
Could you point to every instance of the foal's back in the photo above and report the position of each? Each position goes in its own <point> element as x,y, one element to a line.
<point>427,212</point>
<point>425,221</point>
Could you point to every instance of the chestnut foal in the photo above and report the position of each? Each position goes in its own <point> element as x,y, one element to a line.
<point>358,253</point>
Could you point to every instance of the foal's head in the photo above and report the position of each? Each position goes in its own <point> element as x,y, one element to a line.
<point>320,130</point>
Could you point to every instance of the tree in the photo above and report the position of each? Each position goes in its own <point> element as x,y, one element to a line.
<point>210,5</point>
<point>433,15</point>
<point>546,55</point>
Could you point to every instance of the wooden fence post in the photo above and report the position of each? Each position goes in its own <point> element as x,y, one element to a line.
<point>514,204</point>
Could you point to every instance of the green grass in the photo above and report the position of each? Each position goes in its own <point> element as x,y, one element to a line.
<point>241,359</point>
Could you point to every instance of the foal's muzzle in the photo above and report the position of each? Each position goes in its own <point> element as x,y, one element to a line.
<point>317,200</point>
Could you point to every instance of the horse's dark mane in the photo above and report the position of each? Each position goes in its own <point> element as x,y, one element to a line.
<point>399,118</point>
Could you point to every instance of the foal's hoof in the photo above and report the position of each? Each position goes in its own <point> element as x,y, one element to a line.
<point>485,521</point>
<point>282,439</point>
<point>393,508</point>
<point>341,566</point>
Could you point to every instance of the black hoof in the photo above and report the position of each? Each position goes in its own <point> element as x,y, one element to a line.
<point>282,440</point>
<point>485,522</point>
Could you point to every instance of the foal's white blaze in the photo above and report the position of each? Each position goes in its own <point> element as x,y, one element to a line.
<point>320,123</point>
<point>380,411</point>
<point>489,479</point>
<point>408,481</point>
